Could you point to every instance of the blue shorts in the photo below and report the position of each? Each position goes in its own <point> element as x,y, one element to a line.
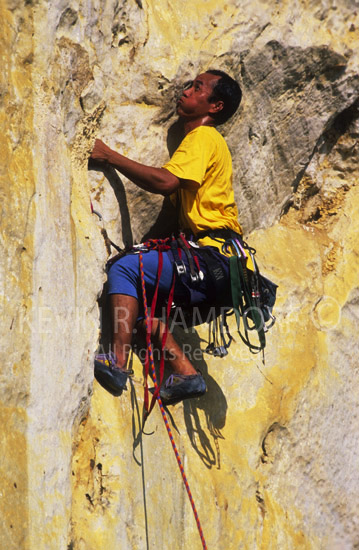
<point>124,278</point>
<point>124,274</point>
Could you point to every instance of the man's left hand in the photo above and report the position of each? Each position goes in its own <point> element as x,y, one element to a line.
<point>101,152</point>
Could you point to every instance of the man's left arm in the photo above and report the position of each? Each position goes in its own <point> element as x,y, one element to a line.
<point>149,178</point>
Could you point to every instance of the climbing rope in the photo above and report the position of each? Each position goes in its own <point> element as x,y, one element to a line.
<point>164,416</point>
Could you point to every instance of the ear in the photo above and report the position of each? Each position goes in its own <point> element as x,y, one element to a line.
<point>216,106</point>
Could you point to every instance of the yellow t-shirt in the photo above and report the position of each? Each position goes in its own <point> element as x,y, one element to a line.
<point>203,163</point>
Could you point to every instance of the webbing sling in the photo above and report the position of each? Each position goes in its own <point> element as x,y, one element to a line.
<point>244,306</point>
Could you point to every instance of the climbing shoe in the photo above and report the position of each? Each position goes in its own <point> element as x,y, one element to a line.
<point>182,386</point>
<point>111,377</point>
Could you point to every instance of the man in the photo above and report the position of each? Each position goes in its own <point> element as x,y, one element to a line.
<point>198,178</point>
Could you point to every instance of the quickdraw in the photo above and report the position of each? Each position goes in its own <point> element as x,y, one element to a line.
<point>219,337</point>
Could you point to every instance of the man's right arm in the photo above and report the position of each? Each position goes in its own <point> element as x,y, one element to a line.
<point>149,178</point>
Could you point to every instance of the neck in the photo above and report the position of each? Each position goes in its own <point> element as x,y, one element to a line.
<point>190,125</point>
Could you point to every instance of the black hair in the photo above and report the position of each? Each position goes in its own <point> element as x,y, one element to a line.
<point>227,90</point>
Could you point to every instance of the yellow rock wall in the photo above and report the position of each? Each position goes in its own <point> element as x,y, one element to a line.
<point>270,451</point>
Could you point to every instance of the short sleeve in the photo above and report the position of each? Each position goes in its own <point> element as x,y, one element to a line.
<point>192,158</point>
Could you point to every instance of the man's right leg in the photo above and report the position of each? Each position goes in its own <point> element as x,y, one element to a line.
<point>185,382</point>
<point>174,354</point>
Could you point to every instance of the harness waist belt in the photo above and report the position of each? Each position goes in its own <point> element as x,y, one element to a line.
<point>221,233</point>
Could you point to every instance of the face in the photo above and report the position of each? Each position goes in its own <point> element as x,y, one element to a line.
<point>194,101</point>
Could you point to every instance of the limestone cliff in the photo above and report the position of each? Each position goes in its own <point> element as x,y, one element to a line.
<point>271,450</point>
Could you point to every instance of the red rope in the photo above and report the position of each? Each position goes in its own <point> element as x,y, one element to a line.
<point>164,416</point>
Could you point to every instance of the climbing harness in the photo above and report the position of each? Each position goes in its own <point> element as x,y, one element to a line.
<point>158,397</point>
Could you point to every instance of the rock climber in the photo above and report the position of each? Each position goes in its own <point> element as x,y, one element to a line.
<point>198,179</point>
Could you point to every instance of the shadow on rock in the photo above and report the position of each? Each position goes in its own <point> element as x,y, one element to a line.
<point>103,301</point>
<point>119,189</point>
<point>204,438</point>
<point>165,223</point>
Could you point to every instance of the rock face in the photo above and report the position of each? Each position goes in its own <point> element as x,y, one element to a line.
<point>271,450</point>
